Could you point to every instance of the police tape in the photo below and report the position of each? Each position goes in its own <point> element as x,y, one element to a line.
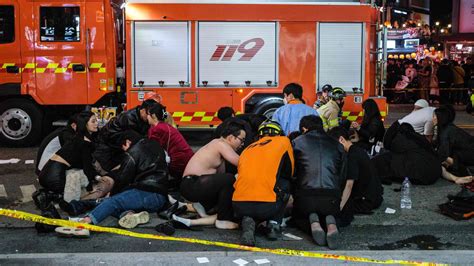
<point>287,252</point>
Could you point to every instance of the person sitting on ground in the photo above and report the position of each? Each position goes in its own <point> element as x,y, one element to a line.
<point>140,188</point>
<point>324,98</point>
<point>371,131</point>
<point>262,186</point>
<point>317,181</point>
<point>421,119</point>
<point>289,115</point>
<point>75,154</point>
<point>363,192</point>
<point>171,140</point>
<point>330,113</point>
<point>225,112</point>
<point>455,147</point>
<point>108,152</point>
<point>206,182</point>
<point>54,141</point>
<point>408,155</point>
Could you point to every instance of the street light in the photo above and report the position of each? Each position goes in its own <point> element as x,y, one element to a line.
<point>437,23</point>
<point>404,25</point>
<point>442,30</point>
<point>449,25</point>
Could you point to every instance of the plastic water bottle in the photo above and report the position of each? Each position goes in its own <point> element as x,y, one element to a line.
<point>405,201</point>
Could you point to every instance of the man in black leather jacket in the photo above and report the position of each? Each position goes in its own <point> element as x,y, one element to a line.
<point>318,180</point>
<point>141,185</point>
<point>108,152</point>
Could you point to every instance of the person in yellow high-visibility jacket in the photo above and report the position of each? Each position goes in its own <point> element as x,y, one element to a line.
<point>330,112</point>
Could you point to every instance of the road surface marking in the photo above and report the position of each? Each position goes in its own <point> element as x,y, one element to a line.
<point>280,251</point>
<point>27,191</point>
<point>3,192</point>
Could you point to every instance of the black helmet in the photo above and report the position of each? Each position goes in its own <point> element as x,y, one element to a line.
<point>270,128</point>
<point>338,93</point>
<point>326,87</point>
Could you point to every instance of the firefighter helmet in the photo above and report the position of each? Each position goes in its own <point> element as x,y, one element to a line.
<point>270,128</point>
<point>337,93</point>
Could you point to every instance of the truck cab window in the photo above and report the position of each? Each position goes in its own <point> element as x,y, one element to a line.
<point>60,24</point>
<point>7,24</point>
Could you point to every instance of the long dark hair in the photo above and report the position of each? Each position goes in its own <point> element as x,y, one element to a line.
<point>82,118</point>
<point>371,111</point>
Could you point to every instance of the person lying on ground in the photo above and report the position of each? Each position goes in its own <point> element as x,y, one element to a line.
<point>171,140</point>
<point>75,154</point>
<point>206,182</point>
<point>317,181</point>
<point>262,188</point>
<point>363,190</point>
<point>141,186</point>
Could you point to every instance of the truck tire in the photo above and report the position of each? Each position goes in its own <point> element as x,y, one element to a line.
<point>268,109</point>
<point>20,123</point>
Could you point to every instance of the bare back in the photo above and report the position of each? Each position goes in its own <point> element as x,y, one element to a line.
<point>210,158</point>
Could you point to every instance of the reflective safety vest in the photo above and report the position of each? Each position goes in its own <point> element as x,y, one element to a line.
<point>329,113</point>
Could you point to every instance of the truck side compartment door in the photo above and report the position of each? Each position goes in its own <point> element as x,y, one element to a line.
<point>10,54</point>
<point>60,52</point>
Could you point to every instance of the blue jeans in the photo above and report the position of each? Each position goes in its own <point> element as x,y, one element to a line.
<point>130,200</point>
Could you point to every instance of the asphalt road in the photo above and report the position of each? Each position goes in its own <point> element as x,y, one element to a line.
<point>380,235</point>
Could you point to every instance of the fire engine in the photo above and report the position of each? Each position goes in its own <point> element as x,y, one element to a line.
<point>56,57</point>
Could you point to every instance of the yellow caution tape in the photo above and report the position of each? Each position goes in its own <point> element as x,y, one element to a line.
<point>287,252</point>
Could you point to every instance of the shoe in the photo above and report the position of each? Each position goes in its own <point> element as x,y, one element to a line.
<point>319,236</point>
<point>168,213</point>
<point>40,198</point>
<point>131,220</point>
<point>72,232</point>
<point>273,231</point>
<point>48,212</point>
<point>166,228</point>
<point>248,232</point>
<point>77,207</point>
<point>333,240</point>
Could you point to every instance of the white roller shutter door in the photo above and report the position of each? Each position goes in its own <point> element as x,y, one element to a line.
<point>160,52</point>
<point>340,55</point>
<point>237,52</point>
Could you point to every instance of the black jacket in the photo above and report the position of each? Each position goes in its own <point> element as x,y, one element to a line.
<point>319,162</point>
<point>453,139</point>
<point>126,120</point>
<point>144,168</point>
<point>445,74</point>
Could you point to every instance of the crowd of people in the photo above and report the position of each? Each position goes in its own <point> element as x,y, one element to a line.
<point>305,163</point>
<point>445,82</point>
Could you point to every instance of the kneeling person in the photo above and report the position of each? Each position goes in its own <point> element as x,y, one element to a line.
<point>364,190</point>
<point>262,186</point>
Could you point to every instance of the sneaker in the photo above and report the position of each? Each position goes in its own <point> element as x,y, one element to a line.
<point>273,231</point>
<point>248,232</point>
<point>72,232</point>
<point>131,220</point>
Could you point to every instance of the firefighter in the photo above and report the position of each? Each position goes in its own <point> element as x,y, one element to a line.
<point>330,112</point>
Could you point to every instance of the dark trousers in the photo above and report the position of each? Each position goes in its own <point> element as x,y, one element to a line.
<point>211,191</point>
<point>321,202</point>
<point>444,92</point>
<point>260,211</point>
<point>53,176</point>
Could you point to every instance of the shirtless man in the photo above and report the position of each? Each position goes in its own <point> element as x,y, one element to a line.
<point>206,182</point>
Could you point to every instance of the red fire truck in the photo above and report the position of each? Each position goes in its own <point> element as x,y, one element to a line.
<point>58,56</point>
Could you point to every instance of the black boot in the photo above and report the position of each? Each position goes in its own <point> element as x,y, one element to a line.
<point>273,230</point>
<point>42,198</point>
<point>48,212</point>
<point>77,207</point>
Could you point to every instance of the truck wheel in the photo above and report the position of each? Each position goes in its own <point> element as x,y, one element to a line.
<point>20,123</point>
<point>268,109</point>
